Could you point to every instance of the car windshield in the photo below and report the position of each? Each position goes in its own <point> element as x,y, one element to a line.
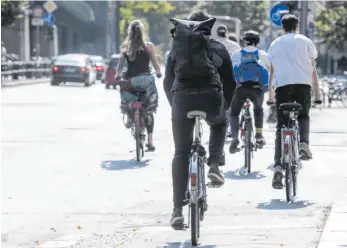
<point>114,62</point>
<point>67,60</point>
<point>96,58</point>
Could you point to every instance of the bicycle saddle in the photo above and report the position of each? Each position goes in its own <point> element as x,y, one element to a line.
<point>290,106</point>
<point>196,113</point>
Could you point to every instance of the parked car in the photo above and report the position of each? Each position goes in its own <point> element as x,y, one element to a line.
<point>110,79</point>
<point>73,68</point>
<point>99,66</point>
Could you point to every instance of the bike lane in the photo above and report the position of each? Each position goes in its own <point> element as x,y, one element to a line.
<point>75,184</point>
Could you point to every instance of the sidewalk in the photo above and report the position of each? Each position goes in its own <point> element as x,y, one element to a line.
<point>335,231</point>
<point>24,82</point>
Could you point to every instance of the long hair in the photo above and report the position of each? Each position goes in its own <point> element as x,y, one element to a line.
<point>135,40</point>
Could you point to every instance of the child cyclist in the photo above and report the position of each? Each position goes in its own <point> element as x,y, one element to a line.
<point>251,67</point>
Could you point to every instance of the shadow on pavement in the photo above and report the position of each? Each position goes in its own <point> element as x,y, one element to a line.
<point>124,164</point>
<point>254,175</point>
<point>186,244</point>
<point>280,204</point>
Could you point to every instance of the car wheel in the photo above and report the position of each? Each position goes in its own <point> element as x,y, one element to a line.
<point>54,82</point>
<point>87,83</point>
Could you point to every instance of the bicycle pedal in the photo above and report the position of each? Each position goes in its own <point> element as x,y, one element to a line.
<point>180,227</point>
<point>213,185</point>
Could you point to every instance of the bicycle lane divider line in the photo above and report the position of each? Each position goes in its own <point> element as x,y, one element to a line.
<point>24,82</point>
<point>65,241</point>
<point>334,234</point>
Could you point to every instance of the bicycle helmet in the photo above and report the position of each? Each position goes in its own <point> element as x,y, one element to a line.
<point>251,38</point>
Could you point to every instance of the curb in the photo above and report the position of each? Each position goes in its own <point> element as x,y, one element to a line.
<point>24,82</point>
<point>334,234</point>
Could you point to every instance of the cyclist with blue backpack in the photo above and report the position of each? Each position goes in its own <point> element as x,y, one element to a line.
<point>251,67</point>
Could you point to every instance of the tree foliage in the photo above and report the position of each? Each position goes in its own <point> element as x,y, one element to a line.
<point>252,14</point>
<point>331,24</point>
<point>131,10</point>
<point>10,11</point>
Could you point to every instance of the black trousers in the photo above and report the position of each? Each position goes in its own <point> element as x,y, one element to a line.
<point>299,93</point>
<point>256,95</point>
<point>210,101</point>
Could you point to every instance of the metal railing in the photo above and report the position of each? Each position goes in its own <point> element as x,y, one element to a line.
<point>25,70</point>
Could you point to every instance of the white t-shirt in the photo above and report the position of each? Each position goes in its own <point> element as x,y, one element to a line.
<point>291,56</point>
<point>263,56</point>
<point>229,44</point>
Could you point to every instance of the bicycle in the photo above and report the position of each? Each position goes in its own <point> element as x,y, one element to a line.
<point>139,114</point>
<point>196,196</point>
<point>290,139</point>
<point>247,134</point>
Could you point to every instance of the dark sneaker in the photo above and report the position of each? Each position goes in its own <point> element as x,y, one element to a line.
<point>277,179</point>
<point>150,148</point>
<point>215,175</point>
<point>304,151</point>
<point>177,219</point>
<point>233,145</point>
<point>259,139</point>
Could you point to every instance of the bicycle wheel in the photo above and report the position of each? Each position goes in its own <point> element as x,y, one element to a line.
<point>248,146</point>
<point>295,180</point>
<point>288,182</point>
<point>195,211</point>
<point>137,136</point>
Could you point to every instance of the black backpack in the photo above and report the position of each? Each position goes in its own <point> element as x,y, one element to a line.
<point>191,51</point>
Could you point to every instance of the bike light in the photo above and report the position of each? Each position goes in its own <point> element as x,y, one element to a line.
<point>99,68</point>
<point>288,132</point>
<point>83,69</point>
<point>193,178</point>
<point>136,105</point>
<point>242,132</point>
<point>55,68</point>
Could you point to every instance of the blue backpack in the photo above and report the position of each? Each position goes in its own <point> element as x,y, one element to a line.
<point>250,71</point>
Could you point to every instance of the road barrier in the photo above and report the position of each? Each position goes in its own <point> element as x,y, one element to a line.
<point>24,70</point>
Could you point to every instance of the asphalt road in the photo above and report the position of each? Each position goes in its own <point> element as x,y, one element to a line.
<point>69,179</point>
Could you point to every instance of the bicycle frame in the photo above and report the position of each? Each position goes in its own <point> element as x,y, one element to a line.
<point>290,138</point>
<point>196,161</point>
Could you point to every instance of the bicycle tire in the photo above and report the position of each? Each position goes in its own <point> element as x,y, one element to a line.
<point>137,136</point>
<point>195,223</point>
<point>248,144</point>
<point>288,182</point>
<point>295,180</point>
<point>195,211</point>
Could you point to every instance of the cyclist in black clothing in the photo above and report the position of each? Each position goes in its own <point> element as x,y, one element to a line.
<point>209,95</point>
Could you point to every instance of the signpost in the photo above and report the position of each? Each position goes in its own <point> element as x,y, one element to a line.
<point>50,6</point>
<point>48,19</point>
<point>37,22</point>
<point>37,12</point>
<point>276,13</point>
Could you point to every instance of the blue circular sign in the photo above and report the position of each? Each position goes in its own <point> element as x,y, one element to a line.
<point>275,13</point>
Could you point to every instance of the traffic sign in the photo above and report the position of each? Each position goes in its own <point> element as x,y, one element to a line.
<point>37,11</point>
<point>48,19</point>
<point>37,22</point>
<point>50,6</point>
<point>275,13</point>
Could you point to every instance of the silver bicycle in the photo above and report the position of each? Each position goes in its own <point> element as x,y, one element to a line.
<point>290,148</point>
<point>196,196</point>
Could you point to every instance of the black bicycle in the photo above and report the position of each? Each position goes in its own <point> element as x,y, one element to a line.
<point>247,134</point>
<point>196,196</point>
